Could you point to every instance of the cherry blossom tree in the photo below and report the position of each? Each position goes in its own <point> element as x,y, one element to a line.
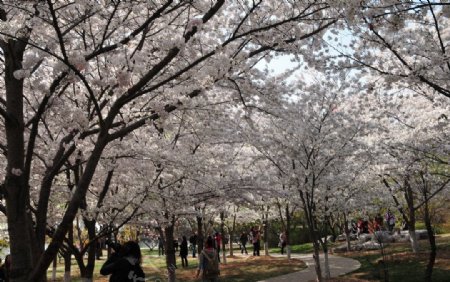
<point>412,156</point>
<point>79,75</point>
<point>402,42</point>
<point>317,130</point>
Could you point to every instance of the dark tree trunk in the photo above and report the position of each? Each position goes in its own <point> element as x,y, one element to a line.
<point>266,235</point>
<point>232,235</point>
<point>67,266</point>
<point>68,257</point>
<point>200,236</point>
<point>171,262</point>
<point>222,231</point>
<point>16,186</point>
<point>432,240</point>
<point>92,249</point>
<point>288,233</point>
<point>409,195</point>
<point>72,208</point>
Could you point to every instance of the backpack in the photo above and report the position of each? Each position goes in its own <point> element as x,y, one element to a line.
<point>210,265</point>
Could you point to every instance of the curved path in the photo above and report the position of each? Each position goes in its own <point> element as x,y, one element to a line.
<point>338,266</point>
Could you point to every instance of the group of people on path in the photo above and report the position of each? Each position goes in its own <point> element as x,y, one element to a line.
<point>124,264</point>
<point>184,248</point>
<point>255,237</point>
<point>366,226</point>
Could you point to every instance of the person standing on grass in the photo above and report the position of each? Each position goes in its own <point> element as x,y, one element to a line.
<point>282,241</point>
<point>218,240</point>
<point>390,220</point>
<point>193,240</point>
<point>184,252</point>
<point>243,239</point>
<point>160,246</point>
<point>209,263</point>
<point>256,240</point>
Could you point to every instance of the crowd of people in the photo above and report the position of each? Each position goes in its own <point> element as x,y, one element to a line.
<point>370,225</point>
<point>124,263</point>
<point>254,236</point>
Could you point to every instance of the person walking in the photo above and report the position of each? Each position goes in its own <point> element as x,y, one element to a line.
<point>390,220</point>
<point>256,240</point>
<point>126,265</point>
<point>218,240</point>
<point>209,262</point>
<point>160,246</point>
<point>184,252</point>
<point>244,239</point>
<point>193,240</point>
<point>282,241</point>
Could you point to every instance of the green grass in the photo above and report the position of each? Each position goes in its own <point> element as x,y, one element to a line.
<point>295,249</point>
<point>303,248</point>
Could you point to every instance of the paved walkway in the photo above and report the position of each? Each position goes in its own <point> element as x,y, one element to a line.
<point>338,266</point>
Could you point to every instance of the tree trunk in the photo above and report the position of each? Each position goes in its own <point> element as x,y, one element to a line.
<point>92,249</point>
<point>232,235</point>
<point>171,262</point>
<point>200,236</point>
<point>317,262</point>
<point>347,233</point>
<point>309,215</point>
<point>265,220</point>
<point>16,186</point>
<point>327,262</point>
<point>68,258</point>
<point>222,231</point>
<point>83,272</point>
<point>288,236</point>
<point>409,195</point>
<point>413,239</point>
<point>432,240</point>
<point>266,237</point>
<point>72,208</point>
<point>67,267</point>
<point>55,265</point>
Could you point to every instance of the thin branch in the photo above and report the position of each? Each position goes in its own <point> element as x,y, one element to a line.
<point>124,41</point>
<point>436,25</point>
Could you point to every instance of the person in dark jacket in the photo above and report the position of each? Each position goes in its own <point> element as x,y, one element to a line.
<point>193,240</point>
<point>184,252</point>
<point>243,239</point>
<point>126,265</point>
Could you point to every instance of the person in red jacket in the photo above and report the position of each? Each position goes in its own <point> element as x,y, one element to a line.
<point>218,243</point>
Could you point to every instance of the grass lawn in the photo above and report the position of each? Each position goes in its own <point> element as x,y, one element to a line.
<point>402,264</point>
<point>237,269</point>
<point>295,249</point>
